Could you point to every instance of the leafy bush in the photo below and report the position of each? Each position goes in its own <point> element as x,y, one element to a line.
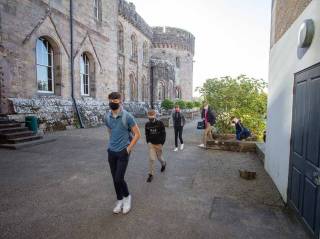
<point>189,105</point>
<point>181,104</point>
<point>197,104</point>
<point>242,97</point>
<point>167,104</point>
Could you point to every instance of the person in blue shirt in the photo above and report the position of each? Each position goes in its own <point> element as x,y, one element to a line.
<point>124,134</point>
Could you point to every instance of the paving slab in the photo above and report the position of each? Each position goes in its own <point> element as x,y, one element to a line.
<point>64,190</point>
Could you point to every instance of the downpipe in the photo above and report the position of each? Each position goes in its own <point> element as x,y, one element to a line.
<point>72,67</point>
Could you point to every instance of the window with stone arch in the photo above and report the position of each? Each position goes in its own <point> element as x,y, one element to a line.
<point>45,65</point>
<point>161,91</point>
<point>145,89</point>
<point>178,93</point>
<point>133,87</point>
<point>97,10</point>
<point>85,74</point>
<point>121,85</point>
<point>120,38</point>
<point>145,52</point>
<point>170,90</point>
<point>134,47</point>
<point>178,62</point>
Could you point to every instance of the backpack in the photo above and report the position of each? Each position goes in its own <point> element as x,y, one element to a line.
<point>124,119</point>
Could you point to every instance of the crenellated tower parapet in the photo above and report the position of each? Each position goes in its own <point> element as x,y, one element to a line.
<point>171,37</point>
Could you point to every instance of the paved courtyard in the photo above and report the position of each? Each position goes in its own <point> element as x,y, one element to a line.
<point>64,190</point>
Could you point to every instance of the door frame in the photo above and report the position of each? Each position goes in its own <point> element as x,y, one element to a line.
<point>311,73</point>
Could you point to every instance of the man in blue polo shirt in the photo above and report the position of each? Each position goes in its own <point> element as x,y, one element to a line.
<point>124,134</point>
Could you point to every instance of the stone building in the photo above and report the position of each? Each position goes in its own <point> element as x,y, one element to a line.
<point>60,62</point>
<point>293,138</point>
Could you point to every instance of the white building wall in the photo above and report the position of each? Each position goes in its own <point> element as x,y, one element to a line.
<point>284,62</point>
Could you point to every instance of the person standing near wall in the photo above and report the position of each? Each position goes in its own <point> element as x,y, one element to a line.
<point>124,134</point>
<point>209,117</point>
<point>178,123</point>
<point>155,137</point>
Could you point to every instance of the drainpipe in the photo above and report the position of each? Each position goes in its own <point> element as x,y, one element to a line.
<point>72,66</point>
<point>151,87</point>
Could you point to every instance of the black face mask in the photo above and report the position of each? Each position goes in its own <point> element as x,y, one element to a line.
<point>152,120</point>
<point>114,106</point>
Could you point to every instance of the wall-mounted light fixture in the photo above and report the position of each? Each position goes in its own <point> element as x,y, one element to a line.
<point>306,34</point>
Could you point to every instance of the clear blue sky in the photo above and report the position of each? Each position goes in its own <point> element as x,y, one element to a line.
<point>232,36</point>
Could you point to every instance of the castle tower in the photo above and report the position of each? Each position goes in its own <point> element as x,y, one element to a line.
<point>176,47</point>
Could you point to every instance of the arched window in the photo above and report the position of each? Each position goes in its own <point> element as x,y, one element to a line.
<point>170,90</point>
<point>97,8</point>
<point>120,38</point>
<point>45,66</point>
<point>145,52</point>
<point>134,47</point>
<point>133,88</point>
<point>161,91</point>
<point>85,74</point>
<point>178,93</point>
<point>178,63</point>
<point>145,89</point>
<point>121,86</point>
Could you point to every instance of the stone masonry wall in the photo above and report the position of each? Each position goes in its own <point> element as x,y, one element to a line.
<point>23,22</point>
<point>284,13</point>
<point>139,68</point>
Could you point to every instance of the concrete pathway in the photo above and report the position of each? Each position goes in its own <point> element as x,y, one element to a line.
<point>64,190</point>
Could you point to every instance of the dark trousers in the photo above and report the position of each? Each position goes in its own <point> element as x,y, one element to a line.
<point>178,132</point>
<point>118,162</point>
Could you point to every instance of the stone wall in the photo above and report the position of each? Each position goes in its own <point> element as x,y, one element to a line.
<point>284,14</point>
<point>183,72</point>
<point>128,12</point>
<point>139,68</point>
<point>23,22</point>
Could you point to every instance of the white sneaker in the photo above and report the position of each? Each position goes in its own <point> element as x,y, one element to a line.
<point>181,146</point>
<point>175,149</point>
<point>126,204</point>
<point>118,207</point>
<point>201,145</point>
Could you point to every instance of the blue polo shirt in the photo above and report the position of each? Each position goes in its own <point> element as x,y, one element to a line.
<point>119,138</point>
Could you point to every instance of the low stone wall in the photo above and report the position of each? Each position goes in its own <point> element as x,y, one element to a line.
<point>232,145</point>
<point>56,113</point>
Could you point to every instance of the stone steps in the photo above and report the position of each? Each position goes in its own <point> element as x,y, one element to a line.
<point>26,144</point>
<point>14,135</point>
<point>23,139</point>
<point>9,125</point>
<point>13,130</point>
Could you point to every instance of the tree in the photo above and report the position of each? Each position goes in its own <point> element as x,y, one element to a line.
<point>242,97</point>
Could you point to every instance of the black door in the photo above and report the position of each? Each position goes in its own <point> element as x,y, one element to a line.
<point>304,176</point>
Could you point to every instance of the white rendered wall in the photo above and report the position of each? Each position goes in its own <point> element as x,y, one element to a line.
<point>283,64</point>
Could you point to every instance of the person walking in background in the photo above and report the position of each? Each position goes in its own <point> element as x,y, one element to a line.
<point>208,115</point>
<point>178,123</point>
<point>124,134</point>
<point>155,137</point>
<point>241,131</point>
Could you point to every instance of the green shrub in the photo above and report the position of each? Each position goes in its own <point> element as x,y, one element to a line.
<point>197,104</point>
<point>181,104</point>
<point>167,104</point>
<point>189,105</point>
<point>242,97</point>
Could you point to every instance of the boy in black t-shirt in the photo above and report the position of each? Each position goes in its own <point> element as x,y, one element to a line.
<point>155,137</point>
